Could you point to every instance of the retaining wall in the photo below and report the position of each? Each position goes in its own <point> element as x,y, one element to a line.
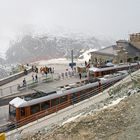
<point>13,77</point>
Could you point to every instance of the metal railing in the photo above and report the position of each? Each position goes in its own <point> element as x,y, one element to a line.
<point>71,101</point>
<point>18,133</point>
<point>17,88</point>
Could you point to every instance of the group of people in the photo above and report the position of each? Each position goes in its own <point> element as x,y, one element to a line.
<point>35,78</point>
<point>46,70</point>
<point>34,69</point>
<point>43,70</point>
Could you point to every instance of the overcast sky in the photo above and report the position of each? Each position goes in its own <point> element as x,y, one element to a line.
<point>111,18</point>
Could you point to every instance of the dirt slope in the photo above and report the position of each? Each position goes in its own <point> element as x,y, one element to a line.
<point>118,122</point>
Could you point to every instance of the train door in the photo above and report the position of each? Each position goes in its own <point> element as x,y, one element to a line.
<point>12,113</point>
<point>22,113</point>
<point>54,104</point>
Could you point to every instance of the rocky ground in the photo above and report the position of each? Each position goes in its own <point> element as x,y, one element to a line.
<point>117,122</point>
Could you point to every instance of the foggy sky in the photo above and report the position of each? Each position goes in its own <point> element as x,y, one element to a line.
<point>111,18</point>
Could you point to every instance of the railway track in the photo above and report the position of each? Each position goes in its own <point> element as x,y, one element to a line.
<point>7,127</point>
<point>11,126</point>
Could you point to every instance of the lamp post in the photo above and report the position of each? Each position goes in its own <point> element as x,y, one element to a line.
<point>72,59</point>
<point>72,63</point>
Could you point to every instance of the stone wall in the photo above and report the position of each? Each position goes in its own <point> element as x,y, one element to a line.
<point>13,77</point>
<point>100,58</point>
<point>135,40</point>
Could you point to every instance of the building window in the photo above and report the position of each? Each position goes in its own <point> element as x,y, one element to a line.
<point>121,61</point>
<point>136,58</point>
<point>129,60</point>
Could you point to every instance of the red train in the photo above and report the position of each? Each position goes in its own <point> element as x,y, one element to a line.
<point>100,72</point>
<point>39,104</point>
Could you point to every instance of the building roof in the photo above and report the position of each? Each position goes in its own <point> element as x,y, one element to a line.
<point>132,51</point>
<point>94,69</point>
<point>112,50</point>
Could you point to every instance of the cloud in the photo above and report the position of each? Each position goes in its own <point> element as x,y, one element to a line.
<point>115,18</point>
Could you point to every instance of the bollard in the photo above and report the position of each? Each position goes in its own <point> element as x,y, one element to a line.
<point>1,91</point>
<point>10,89</point>
<point>62,75</point>
<point>2,136</point>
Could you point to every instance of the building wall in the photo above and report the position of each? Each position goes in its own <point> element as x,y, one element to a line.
<point>135,40</point>
<point>120,53</point>
<point>121,56</point>
<point>100,58</point>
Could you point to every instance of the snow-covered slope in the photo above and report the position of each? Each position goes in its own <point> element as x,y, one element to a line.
<point>33,48</point>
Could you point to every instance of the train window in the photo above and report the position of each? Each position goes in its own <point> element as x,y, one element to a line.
<point>12,111</point>
<point>63,99</point>
<point>74,97</point>
<point>45,105</point>
<point>22,111</point>
<point>55,102</point>
<point>35,108</point>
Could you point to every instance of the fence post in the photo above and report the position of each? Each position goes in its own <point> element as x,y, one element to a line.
<point>10,89</point>
<point>1,91</point>
<point>52,76</point>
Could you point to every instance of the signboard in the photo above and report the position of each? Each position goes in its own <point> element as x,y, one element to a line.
<point>72,64</point>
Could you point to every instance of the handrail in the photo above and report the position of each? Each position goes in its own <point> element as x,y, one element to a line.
<point>58,107</point>
<point>65,104</point>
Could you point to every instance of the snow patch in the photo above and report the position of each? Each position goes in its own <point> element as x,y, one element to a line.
<point>86,55</point>
<point>114,102</point>
<point>54,61</point>
<point>72,119</point>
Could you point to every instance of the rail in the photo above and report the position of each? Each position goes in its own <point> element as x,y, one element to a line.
<point>17,88</point>
<point>14,77</point>
<point>58,107</point>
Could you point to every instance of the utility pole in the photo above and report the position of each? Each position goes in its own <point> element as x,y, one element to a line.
<point>72,63</point>
<point>72,59</point>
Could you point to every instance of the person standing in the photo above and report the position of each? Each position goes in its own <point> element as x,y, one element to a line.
<point>80,75</point>
<point>36,78</point>
<point>53,70</point>
<point>24,82</point>
<point>25,72</point>
<point>33,77</point>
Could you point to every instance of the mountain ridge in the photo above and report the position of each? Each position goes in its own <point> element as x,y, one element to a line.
<point>30,48</point>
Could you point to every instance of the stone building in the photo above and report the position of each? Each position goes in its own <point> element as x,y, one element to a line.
<point>124,51</point>
<point>135,40</point>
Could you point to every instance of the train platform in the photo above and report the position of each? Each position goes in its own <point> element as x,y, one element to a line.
<point>11,88</point>
<point>3,115</point>
<point>8,95</point>
<point>4,109</point>
<point>47,86</point>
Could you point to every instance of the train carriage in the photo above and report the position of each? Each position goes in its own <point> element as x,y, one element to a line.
<point>100,72</point>
<point>41,103</point>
